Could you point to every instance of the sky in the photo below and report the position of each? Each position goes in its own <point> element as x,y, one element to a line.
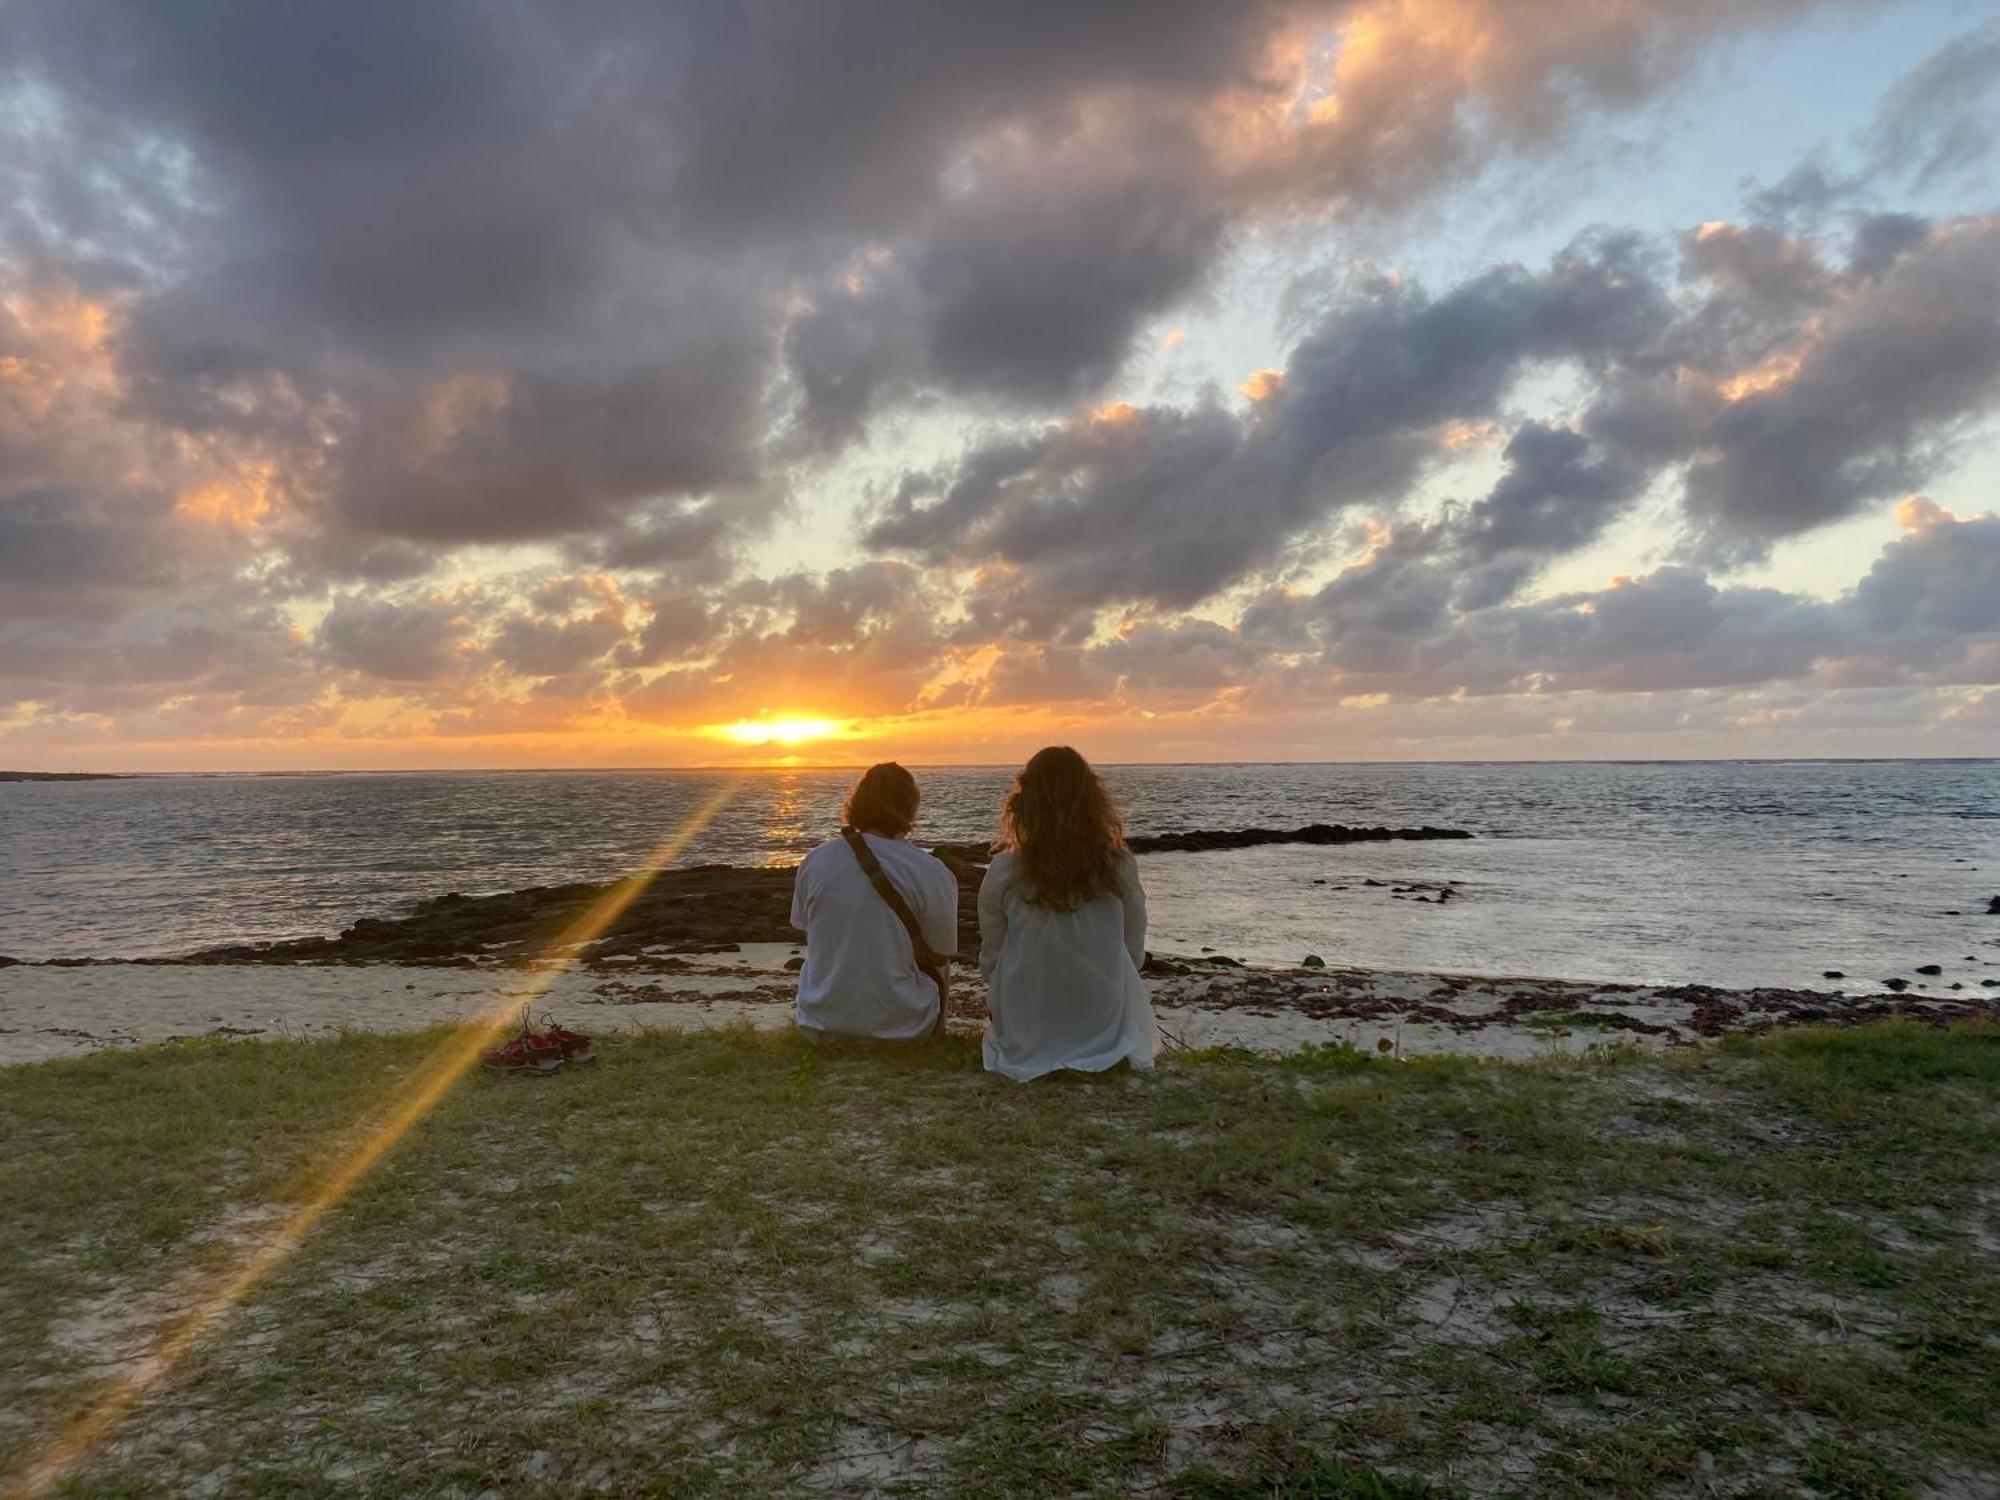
<point>611,383</point>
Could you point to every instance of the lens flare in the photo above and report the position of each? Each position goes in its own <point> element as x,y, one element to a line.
<point>377,1136</point>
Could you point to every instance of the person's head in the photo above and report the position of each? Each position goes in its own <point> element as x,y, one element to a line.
<point>1060,822</point>
<point>883,801</point>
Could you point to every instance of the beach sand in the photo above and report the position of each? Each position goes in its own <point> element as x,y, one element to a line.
<point>64,1009</point>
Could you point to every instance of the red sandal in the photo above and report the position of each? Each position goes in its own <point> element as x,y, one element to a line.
<point>527,1053</point>
<point>576,1047</point>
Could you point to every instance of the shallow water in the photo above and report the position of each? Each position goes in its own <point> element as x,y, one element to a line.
<point>1716,872</point>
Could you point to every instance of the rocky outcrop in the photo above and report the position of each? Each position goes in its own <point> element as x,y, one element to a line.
<point>1202,840</point>
<point>706,908</point>
<point>703,909</point>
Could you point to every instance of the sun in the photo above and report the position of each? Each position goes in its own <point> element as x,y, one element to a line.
<point>778,731</point>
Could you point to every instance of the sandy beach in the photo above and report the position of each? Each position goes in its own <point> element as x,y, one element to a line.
<point>65,1009</point>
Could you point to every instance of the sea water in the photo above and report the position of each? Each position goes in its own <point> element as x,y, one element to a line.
<point>1730,873</point>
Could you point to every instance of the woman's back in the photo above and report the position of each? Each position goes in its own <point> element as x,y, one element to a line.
<point>1063,986</point>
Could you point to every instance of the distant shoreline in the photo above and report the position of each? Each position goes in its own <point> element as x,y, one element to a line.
<point>65,776</point>
<point>918,765</point>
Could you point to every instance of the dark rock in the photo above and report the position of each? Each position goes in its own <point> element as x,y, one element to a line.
<point>1930,968</point>
<point>1157,964</point>
<point>793,965</point>
<point>1203,839</point>
<point>1319,882</point>
<point>1993,907</point>
<point>964,854</point>
<point>1833,974</point>
<point>1250,838</point>
<point>704,908</point>
<point>8,963</point>
<point>1372,881</point>
<point>1899,985</point>
<point>1312,961</point>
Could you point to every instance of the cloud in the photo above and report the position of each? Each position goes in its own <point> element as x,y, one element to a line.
<point>1884,375</point>
<point>1776,388</point>
<point>1941,118</point>
<point>413,641</point>
<point>307,319</point>
<point>469,275</point>
<point>1397,623</point>
<point>1168,506</point>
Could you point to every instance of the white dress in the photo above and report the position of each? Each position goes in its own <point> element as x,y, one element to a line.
<point>1063,987</point>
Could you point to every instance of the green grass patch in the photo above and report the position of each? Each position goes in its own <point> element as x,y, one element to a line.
<point>728,1263</point>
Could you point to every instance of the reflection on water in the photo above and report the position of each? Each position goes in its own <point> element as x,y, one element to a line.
<point>1722,872</point>
<point>785,826</point>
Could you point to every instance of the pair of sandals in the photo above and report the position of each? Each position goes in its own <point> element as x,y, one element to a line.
<point>540,1053</point>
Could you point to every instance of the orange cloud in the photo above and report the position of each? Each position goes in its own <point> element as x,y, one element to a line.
<point>1263,385</point>
<point>1920,513</point>
<point>1766,375</point>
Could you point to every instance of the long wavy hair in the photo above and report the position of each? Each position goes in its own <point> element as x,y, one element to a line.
<point>1059,820</point>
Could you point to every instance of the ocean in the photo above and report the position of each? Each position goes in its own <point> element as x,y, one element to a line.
<point>1726,873</point>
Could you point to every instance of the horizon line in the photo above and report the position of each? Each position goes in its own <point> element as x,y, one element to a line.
<point>981,765</point>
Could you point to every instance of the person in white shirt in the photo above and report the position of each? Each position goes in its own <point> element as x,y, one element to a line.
<point>1062,929</point>
<point>861,976</point>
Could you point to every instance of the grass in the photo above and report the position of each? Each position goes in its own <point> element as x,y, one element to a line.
<point>729,1263</point>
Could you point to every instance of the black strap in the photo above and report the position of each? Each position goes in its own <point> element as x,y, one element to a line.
<point>928,958</point>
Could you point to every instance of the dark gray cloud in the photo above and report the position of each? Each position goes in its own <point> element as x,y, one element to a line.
<point>1168,506</point>
<point>63,549</point>
<point>1778,387</point>
<point>399,641</point>
<point>1397,624</point>
<point>1888,373</point>
<point>600,209</point>
<point>1554,497</point>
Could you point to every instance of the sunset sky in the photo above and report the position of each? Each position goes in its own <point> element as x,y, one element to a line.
<point>606,383</point>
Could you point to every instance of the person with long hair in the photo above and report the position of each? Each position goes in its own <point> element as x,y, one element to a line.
<point>1062,929</point>
<point>863,975</point>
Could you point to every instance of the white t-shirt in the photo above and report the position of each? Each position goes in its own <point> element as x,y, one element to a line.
<point>1063,987</point>
<point>861,976</point>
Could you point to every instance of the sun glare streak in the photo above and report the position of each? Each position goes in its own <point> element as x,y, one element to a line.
<point>432,1081</point>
